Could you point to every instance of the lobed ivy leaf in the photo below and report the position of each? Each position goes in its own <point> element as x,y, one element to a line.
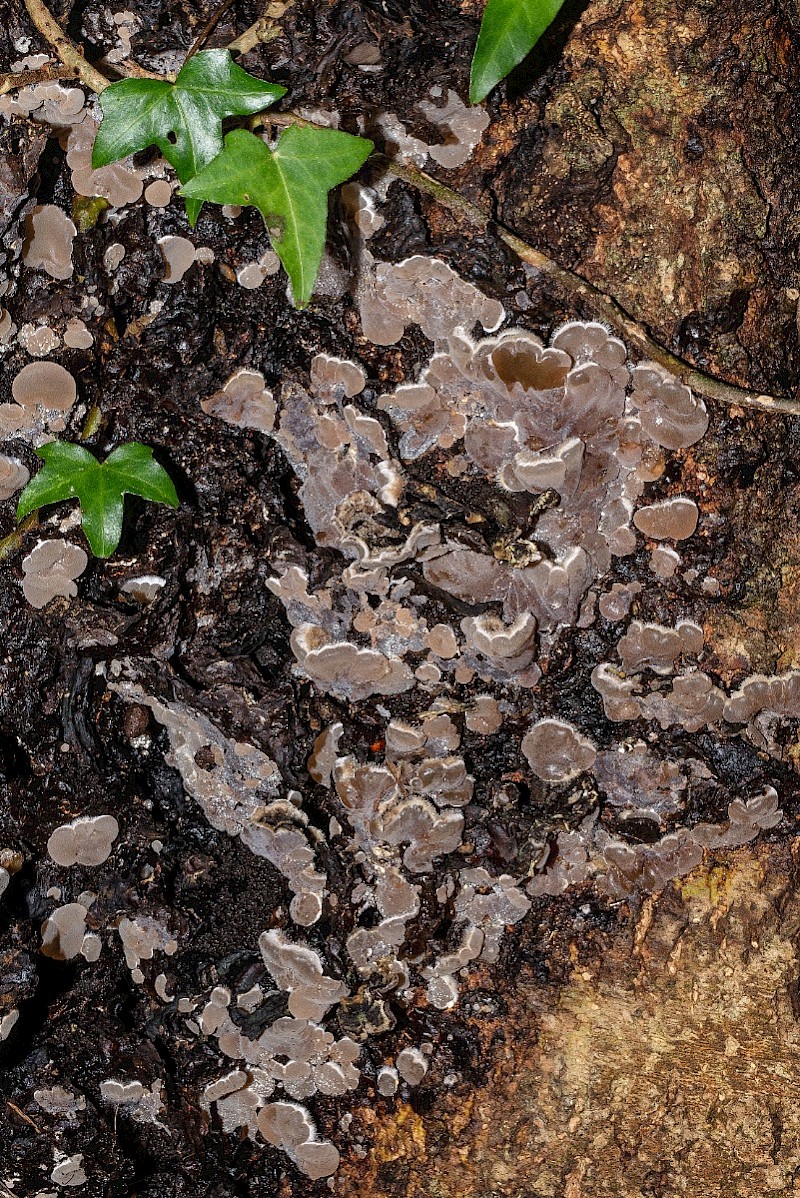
<point>184,118</point>
<point>289,185</point>
<point>71,472</point>
<point>509,31</point>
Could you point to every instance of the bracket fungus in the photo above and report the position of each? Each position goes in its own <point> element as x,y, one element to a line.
<point>84,841</point>
<point>556,751</point>
<point>50,569</point>
<point>48,245</point>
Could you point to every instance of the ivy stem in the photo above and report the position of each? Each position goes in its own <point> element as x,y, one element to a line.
<point>603,305</point>
<point>65,48</point>
<point>12,542</point>
<point>208,29</point>
<point>50,74</point>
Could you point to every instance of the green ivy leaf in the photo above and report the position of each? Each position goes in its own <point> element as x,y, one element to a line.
<point>509,31</point>
<point>184,118</point>
<point>71,472</point>
<point>289,185</point>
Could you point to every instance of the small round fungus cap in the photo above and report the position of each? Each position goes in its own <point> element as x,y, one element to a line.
<point>86,841</point>
<point>671,520</point>
<point>557,751</point>
<point>48,242</point>
<point>288,1125</point>
<point>13,476</point>
<point>179,254</point>
<point>50,570</point>
<point>46,385</point>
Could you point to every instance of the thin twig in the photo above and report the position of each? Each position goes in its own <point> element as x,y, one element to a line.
<point>64,47</point>
<point>596,300</point>
<point>208,29</point>
<point>12,542</point>
<point>48,74</point>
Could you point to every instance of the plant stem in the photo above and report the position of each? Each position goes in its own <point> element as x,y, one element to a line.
<point>207,29</point>
<point>49,74</point>
<point>12,542</point>
<point>64,47</point>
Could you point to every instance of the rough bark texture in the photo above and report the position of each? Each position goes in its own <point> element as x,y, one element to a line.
<point>640,1049</point>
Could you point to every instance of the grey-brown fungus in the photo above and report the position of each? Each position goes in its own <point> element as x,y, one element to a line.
<point>46,385</point>
<point>298,969</point>
<point>557,751</point>
<point>289,1126</point>
<point>68,1170</point>
<point>49,234</point>
<point>63,932</point>
<point>615,604</point>
<point>670,520</point>
<point>654,647</point>
<point>464,125</point>
<point>85,841</point>
<point>179,254</point>
<point>411,1065</point>
<point>670,413</point>
<point>244,401</point>
<point>344,669</point>
<point>13,476</point>
<point>76,335</point>
<point>664,561</point>
<point>50,569</point>
<point>120,183</point>
<point>59,1101</point>
<point>335,378</point>
<point>619,694</point>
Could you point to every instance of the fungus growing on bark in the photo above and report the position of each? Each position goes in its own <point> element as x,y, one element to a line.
<point>387,1081</point>
<point>565,863</point>
<point>76,335</point>
<point>179,254</point>
<point>63,932</point>
<point>671,520</point>
<point>664,561</point>
<point>49,234</point>
<point>670,413</point>
<point>288,1126</point>
<point>323,756</point>
<point>13,476</point>
<point>50,570</point>
<point>654,647</point>
<point>141,939</point>
<point>158,193</point>
<point>69,1170</point>
<point>427,292</point>
<point>343,669</point>
<point>244,401</point>
<point>411,1065</point>
<point>38,340</point>
<point>618,693</point>
<point>464,124</point>
<point>46,385</point>
<point>297,969</point>
<point>484,717</point>
<point>616,603</point>
<point>60,1102</point>
<point>335,378</point>
<point>633,778</point>
<point>84,841</point>
<point>239,790</point>
<point>557,751</point>
<point>694,702</point>
<point>120,183</point>
<point>142,1103</point>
